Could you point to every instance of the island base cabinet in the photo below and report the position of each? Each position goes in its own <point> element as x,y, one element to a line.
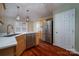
<point>7,51</point>
<point>27,41</point>
<point>30,40</point>
<point>38,37</point>
<point>21,44</point>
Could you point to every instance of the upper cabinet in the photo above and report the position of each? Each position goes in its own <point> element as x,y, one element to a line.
<point>2,7</point>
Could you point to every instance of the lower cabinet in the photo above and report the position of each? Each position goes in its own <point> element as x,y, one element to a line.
<point>38,38</point>
<point>10,51</point>
<point>21,44</point>
<point>30,40</point>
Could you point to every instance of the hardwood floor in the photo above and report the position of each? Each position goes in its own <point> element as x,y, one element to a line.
<point>45,49</point>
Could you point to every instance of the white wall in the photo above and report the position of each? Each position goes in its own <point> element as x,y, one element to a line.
<point>37,26</point>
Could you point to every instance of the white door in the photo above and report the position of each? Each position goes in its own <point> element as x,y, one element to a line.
<point>58,30</point>
<point>64,29</point>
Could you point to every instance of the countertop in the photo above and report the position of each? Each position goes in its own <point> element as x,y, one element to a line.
<point>25,33</point>
<point>6,42</point>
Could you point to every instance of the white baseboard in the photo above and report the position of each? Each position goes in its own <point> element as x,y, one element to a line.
<point>72,50</point>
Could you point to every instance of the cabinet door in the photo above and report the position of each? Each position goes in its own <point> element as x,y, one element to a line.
<point>21,44</point>
<point>37,38</point>
<point>1,7</point>
<point>1,11</point>
<point>30,40</point>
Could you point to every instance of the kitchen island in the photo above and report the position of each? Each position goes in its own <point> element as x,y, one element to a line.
<point>15,45</point>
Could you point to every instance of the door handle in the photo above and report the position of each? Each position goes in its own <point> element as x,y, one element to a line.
<point>56,32</point>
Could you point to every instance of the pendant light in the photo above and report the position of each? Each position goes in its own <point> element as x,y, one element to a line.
<point>18,17</point>
<point>27,17</point>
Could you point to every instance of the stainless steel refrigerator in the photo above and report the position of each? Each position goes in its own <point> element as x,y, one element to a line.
<point>48,31</point>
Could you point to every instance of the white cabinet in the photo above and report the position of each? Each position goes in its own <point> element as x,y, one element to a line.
<point>64,29</point>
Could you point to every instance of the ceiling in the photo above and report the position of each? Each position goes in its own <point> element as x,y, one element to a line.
<point>36,10</point>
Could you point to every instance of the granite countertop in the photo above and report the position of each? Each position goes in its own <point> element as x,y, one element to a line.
<point>6,42</point>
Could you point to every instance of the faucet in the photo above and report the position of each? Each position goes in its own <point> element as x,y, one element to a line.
<point>9,25</point>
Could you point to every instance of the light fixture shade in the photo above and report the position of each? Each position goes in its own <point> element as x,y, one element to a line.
<point>18,18</point>
<point>27,19</point>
